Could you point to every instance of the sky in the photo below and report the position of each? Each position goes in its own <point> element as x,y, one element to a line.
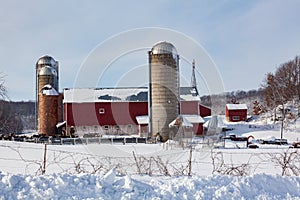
<point>106,43</point>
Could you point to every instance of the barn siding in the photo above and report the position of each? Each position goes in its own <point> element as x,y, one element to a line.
<point>242,114</point>
<point>87,115</point>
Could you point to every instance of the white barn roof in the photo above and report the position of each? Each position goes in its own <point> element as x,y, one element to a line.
<point>144,119</point>
<point>187,119</point>
<point>236,106</point>
<point>88,95</point>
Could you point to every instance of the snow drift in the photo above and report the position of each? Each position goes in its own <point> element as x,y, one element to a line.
<point>113,186</point>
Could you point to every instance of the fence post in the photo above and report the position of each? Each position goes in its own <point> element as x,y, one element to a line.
<point>190,161</point>
<point>45,157</point>
<point>136,162</point>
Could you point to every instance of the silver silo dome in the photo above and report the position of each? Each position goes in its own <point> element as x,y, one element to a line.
<point>47,70</point>
<point>164,48</point>
<point>46,60</point>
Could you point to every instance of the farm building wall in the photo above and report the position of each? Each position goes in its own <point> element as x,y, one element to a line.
<point>118,117</point>
<point>236,115</point>
<point>189,107</point>
<point>204,111</point>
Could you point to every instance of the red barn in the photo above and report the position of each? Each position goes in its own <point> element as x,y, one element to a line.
<point>236,112</point>
<point>122,110</point>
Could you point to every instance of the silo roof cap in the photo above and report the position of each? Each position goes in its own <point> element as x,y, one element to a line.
<point>49,90</point>
<point>164,48</point>
<point>47,70</point>
<point>46,60</point>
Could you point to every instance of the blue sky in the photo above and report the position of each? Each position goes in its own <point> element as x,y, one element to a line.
<point>243,39</point>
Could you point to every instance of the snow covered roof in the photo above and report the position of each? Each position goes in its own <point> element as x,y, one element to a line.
<point>189,94</point>
<point>49,90</point>
<point>85,95</point>
<point>215,121</point>
<point>181,120</point>
<point>144,119</point>
<point>236,106</point>
<point>60,124</point>
<point>194,119</point>
<point>188,120</point>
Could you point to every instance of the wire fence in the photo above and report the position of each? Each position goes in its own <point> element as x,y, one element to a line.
<point>172,161</point>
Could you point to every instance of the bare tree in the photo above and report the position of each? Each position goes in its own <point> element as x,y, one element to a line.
<point>220,167</point>
<point>3,91</point>
<point>289,161</point>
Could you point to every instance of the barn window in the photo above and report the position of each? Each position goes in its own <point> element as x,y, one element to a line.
<point>129,125</point>
<point>117,127</point>
<point>101,110</point>
<point>235,117</point>
<point>106,127</point>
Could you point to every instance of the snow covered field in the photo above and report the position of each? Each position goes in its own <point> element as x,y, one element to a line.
<point>153,171</point>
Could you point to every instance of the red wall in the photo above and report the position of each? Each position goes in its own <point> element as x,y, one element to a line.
<point>204,111</point>
<point>241,113</point>
<point>189,107</point>
<point>122,113</point>
<point>198,129</point>
<point>87,114</point>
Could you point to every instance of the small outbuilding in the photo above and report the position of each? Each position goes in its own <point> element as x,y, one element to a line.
<point>236,112</point>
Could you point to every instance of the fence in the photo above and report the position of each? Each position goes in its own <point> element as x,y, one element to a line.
<point>100,140</point>
<point>40,159</point>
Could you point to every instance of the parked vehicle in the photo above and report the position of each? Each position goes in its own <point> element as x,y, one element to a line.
<point>236,138</point>
<point>274,141</point>
<point>295,145</point>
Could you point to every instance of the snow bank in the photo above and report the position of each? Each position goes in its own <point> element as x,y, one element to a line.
<point>113,186</point>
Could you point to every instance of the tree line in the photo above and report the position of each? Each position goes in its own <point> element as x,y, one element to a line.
<point>11,120</point>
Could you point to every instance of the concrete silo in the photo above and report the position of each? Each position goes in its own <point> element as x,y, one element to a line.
<point>163,89</point>
<point>48,111</point>
<point>49,101</point>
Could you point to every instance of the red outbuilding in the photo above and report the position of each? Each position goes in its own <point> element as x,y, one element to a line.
<point>236,112</point>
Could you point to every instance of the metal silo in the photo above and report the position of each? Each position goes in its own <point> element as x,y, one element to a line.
<point>46,76</point>
<point>163,88</point>
<point>50,62</point>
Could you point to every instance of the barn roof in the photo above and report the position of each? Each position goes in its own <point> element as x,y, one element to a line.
<point>236,106</point>
<point>187,119</point>
<point>122,94</point>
